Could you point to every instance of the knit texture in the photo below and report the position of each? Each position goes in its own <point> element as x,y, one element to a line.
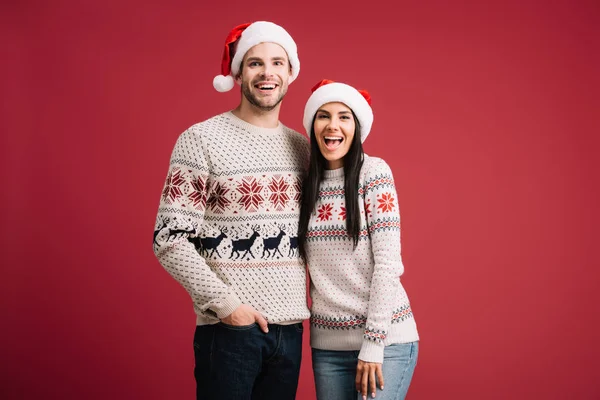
<point>358,302</point>
<point>227,222</point>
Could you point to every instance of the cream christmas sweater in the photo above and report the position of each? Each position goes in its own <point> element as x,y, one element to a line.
<point>358,301</point>
<point>227,222</point>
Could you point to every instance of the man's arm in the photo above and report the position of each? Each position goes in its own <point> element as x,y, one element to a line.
<point>180,218</point>
<point>178,225</point>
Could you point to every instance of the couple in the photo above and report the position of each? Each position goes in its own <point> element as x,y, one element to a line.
<point>240,220</point>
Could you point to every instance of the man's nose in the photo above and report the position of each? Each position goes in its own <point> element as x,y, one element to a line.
<point>267,71</point>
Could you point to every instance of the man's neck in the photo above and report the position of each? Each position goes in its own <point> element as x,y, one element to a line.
<point>257,117</point>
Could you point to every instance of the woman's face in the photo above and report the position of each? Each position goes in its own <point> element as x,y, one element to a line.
<point>334,131</point>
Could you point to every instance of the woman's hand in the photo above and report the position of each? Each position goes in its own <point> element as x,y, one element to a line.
<point>365,377</point>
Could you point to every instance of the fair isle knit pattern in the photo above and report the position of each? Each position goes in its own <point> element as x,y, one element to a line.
<point>227,222</point>
<point>358,302</point>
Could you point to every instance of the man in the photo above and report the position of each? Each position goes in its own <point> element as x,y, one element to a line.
<point>227,224</point>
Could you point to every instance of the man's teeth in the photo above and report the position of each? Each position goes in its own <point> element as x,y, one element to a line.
<point>266,87</point>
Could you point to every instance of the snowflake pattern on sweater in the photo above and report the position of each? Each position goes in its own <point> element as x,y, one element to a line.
<point>227,222</point>
<point>358,301</point>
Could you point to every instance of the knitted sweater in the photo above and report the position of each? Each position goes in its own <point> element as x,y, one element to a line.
<point>358,302</point>
<point>227,222</point>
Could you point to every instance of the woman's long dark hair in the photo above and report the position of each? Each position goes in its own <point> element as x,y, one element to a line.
<point>353,161</point>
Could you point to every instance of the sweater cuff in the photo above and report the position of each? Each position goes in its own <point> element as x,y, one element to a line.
<point>371,352</point>
<point>227,306</point>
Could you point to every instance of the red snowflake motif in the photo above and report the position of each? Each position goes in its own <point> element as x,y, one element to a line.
<point>279,196</point>
<point>251,198</point>
<point>172,189</point>
<point>324,212</point>
<point>198,195</point>
<point>386,202</point>
<point>217,200</point>
<point>343,213</point>
<point>368,208</point>
<point>298,189</point>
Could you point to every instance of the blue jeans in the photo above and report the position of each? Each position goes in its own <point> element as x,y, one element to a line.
<point>244,363</point>
<point>335,372</point>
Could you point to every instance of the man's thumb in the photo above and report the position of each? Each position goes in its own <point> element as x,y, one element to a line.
<point>262,322</point>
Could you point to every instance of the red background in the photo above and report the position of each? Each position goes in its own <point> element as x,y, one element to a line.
<point>487,113</point>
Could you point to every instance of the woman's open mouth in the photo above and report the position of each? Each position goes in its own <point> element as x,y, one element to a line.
<point>333,142</point>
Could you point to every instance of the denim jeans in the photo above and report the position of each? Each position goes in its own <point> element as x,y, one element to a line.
<point>335,372</point>
<point>244,363</point>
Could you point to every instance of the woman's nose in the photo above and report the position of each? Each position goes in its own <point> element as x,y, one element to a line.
<point>333,124</point>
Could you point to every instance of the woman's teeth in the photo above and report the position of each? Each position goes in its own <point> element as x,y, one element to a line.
<point>332,142</point>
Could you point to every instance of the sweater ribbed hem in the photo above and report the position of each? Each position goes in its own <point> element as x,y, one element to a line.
<point>371,351</point>
<point>228,306</point>
<point>203,321</point>
<point>353,339</point>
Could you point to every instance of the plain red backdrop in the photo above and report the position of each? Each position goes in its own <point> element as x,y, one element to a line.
<point>487,113</point>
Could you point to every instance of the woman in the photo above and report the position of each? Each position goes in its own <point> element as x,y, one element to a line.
<point>362,327</point>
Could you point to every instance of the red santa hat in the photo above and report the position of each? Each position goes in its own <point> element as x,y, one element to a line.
<point>326,91</point>
<point>247,36</point>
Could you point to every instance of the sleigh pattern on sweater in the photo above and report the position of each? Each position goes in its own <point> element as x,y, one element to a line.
<point>220,242</point>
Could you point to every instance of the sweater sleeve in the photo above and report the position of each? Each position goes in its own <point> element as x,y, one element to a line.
<point>383,224</point>
<point>179,222</point>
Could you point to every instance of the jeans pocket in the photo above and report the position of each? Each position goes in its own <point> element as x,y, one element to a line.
<point>237,327</point>
<point>415,351</point>
<point>299,327</point>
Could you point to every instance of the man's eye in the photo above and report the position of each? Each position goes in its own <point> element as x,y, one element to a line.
<point>254,64</point>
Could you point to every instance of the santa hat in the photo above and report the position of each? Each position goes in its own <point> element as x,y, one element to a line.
<point>326,91</point>
<point>247,36</point>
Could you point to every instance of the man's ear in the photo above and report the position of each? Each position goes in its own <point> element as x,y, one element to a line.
<point>238,77</point>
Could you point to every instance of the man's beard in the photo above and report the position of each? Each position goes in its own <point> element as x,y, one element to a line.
<point>255,101</point>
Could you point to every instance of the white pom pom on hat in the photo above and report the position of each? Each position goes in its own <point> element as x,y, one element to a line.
<point>246,36</point>
<point>223,83</point>
<point>327,91</point>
